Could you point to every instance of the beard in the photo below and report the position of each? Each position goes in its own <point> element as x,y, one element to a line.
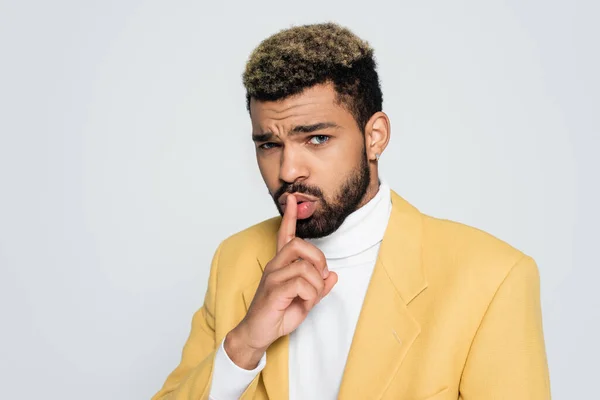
<point>331,214</point>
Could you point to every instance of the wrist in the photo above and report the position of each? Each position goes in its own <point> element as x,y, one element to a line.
<point>240,351</point>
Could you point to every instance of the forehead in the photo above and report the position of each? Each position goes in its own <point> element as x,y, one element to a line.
<point>316,104</point>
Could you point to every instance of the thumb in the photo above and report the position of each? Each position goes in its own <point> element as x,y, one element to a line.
<point>330,282</point>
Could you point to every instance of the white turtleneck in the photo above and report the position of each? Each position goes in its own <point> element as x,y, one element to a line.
<point>319,347</point>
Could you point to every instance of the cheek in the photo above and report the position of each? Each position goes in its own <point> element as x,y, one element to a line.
<point>341,162</point>
<point>334,174</point>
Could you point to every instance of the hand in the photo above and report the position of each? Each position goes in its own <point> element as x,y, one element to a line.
<point>293,282</point>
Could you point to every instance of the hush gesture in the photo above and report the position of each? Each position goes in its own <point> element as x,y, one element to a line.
<point>293,282</point>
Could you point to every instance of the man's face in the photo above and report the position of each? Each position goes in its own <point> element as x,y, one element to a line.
<point>312,147</point>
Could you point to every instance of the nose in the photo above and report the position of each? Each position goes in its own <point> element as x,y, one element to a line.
<point>292,166</point>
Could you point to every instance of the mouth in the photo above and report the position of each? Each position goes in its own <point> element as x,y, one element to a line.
<point>298,203</point>
<point>305,209</point>
<point>300,198</point>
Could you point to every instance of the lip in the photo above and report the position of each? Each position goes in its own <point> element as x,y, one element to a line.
<point>299,198</point>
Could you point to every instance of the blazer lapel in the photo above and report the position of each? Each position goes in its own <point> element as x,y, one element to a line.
<point>275,374</point>
<point>386,328</point>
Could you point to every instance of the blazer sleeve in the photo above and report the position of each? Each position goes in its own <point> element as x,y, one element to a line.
<point>192,378</point>
<point>507,359</point>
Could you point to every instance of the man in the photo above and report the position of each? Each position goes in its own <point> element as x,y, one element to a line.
<point>353,293</point>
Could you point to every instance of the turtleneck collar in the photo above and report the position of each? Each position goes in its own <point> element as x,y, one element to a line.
<point>361,230</point>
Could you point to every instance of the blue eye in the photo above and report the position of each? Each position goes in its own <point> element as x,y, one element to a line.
<point>319,139</point>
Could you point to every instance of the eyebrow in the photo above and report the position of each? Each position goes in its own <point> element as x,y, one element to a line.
<point>298,129</point>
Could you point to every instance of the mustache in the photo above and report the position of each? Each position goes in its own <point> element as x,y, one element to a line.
<point>298,188</point>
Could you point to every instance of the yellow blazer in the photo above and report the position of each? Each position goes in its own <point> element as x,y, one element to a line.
<point>450,313</point>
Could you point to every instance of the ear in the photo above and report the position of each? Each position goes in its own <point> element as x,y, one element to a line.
<point>377,135</point>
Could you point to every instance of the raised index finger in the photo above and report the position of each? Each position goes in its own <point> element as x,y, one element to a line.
<point>287,230</point>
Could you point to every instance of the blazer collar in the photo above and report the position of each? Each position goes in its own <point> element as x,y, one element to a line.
<point>400,251</point>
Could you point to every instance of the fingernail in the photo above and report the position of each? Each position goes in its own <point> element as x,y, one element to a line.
<point>325,272</point>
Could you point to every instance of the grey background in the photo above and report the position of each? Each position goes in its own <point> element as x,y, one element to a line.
<point>125,158</point>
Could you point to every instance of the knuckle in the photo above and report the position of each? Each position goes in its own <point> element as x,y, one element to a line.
<point>270,283</point>
<point>305,267</point>
<point>322,259</point>
<point>268,280</point>
<point>299,283</point>
<point>321,284</point>
<point>270,266</point>
<point>296,243</point>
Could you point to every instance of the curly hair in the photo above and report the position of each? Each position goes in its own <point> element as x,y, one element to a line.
<point>300,57</point>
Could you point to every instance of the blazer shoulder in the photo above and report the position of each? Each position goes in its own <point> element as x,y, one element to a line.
<point>462,238</point>
<point>465,252</point>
